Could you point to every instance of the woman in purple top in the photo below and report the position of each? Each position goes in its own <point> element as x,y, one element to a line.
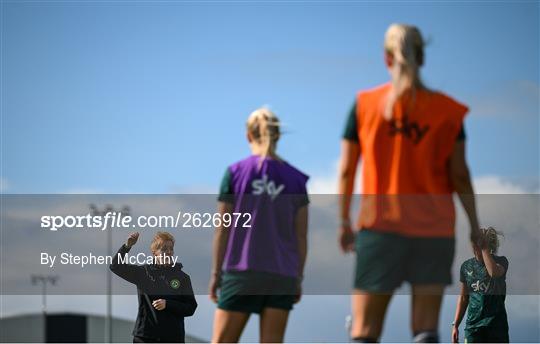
<point>258,260</point>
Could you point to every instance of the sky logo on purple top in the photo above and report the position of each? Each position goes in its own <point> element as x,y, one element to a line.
<point>264,185</point>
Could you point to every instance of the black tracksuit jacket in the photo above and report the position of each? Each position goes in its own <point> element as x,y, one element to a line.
<point>158,282</point>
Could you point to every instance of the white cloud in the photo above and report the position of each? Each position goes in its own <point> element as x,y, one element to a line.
<point>328,183</point>
<point>4,184</point>
<point>497,185</point>
<point>487,184</point>
<point>511,100</point>
<point>81,191</point>
<point>323,185</point>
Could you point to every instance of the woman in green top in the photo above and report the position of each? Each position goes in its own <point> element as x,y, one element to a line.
<point>483,292</point>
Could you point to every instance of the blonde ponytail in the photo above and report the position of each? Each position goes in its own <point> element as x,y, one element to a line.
<point>264,127</point>
<point>406,46</point>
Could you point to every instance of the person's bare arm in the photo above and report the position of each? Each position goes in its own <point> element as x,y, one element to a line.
<point>461,307</point>
<point>493,268</point>
<point>350,155</point>
<point>219,246</point>
<point>301,227</point>
<point>461,180</point>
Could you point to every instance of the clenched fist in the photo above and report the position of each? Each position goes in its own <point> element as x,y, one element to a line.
<point>159,304</point>
<point>132,239</point>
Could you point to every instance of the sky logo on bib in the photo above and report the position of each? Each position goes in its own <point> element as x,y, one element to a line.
<point>175,284</point>
<point>410,129</point>
<point>263,185</point>
<point>480,286</point>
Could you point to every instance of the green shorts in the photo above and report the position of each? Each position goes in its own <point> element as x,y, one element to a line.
<point>251,292</point>
<point>487,335</point>
<point>385,260</point>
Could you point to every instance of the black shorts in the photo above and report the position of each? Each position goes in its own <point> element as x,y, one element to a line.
<point>487,334</point>
<point>251,292</point>
<point>385,260</point>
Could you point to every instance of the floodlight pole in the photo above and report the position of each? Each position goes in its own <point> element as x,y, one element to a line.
<point>108,317</point>
<point>44,280</point>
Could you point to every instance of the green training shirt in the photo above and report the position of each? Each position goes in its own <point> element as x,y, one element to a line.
<point>486,294</point>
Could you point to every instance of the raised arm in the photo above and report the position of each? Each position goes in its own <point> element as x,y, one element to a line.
<point>494,269</point>
<point>461,180</point>
<point>129,272</point>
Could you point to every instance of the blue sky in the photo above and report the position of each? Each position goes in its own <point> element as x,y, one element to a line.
<point>151,97</point>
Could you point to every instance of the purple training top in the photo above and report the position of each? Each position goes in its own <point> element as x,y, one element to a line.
<point>271,191</point>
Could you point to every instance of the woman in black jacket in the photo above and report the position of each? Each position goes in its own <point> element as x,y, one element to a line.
<point>164,291</point>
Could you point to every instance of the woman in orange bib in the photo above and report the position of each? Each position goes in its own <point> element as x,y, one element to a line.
<point>412,143</point>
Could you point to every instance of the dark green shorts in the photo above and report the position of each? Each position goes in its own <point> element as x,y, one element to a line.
<point>487,335</point>
<point>385,260</point>
<point>251,292</point>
